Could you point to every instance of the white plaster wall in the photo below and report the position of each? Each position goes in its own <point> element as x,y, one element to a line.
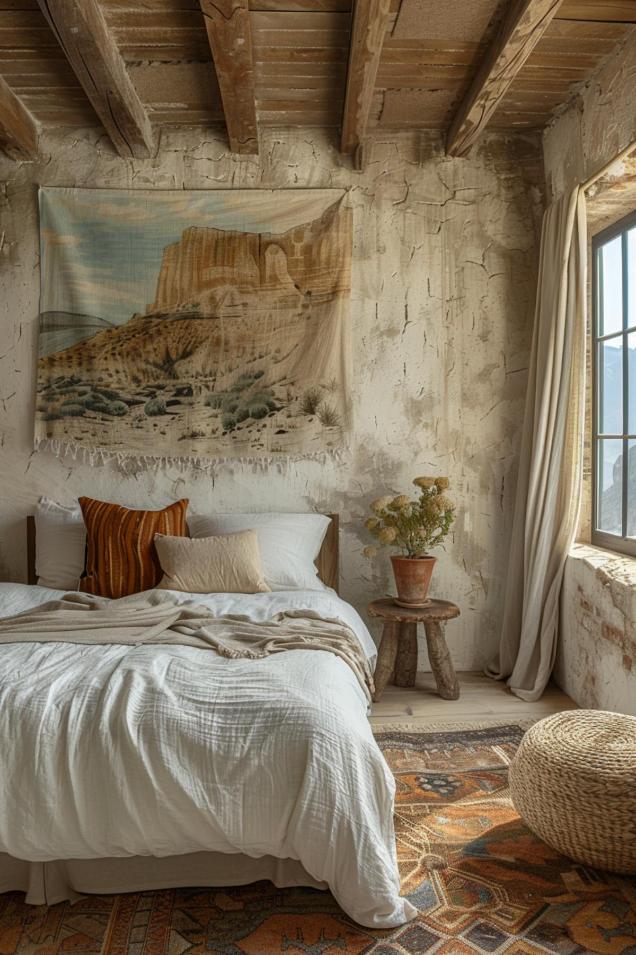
<point>597,125</point>
<point>443,290</point>
<point>596,662</point>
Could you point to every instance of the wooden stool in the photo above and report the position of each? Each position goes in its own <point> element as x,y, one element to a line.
<point>397,656</point>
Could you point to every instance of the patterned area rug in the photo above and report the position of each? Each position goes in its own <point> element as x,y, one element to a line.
<point>481,880</point>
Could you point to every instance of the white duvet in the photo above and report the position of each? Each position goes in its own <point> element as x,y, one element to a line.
<point>111,751</point>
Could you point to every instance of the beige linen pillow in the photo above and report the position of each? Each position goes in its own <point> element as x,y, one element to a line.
<point>230,564</point>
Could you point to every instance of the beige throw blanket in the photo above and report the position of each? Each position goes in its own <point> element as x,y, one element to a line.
<point>142,619</point>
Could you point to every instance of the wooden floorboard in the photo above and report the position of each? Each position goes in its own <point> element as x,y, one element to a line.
<point>481,700</point>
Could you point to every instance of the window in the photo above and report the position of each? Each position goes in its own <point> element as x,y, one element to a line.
<point>614,367</point>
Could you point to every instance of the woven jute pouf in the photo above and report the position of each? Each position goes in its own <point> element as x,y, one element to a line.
<point>573,781</point>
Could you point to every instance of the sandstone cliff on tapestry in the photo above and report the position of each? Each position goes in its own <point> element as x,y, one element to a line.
<point>193,324</point>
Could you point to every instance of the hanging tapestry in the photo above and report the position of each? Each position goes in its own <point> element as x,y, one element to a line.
<point>193,325</point>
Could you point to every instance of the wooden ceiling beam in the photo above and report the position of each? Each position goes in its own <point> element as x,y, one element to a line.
<point>90,48</point>
<point>229,33</point>
<point>369,26</point>
<point>18,129</point>
<point>522,28</point>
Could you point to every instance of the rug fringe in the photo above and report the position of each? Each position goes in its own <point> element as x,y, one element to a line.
<point>452,725</point>
<point>130,461</point>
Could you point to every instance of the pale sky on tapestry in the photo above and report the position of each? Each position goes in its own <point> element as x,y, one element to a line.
<point>206,324</point>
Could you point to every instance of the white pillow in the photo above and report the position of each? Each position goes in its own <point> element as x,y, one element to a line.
<point>60,544</point>
<point>289,543</point>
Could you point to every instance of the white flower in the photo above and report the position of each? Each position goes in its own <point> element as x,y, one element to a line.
<point>381,503</point>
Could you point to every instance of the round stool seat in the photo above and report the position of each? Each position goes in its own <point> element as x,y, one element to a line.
<point>573,781</point>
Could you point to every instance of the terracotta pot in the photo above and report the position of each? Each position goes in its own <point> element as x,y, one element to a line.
<point>412,579</point>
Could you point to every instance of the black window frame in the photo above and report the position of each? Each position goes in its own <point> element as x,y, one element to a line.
<point>620,543</point>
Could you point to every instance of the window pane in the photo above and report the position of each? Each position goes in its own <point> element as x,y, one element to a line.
<point>610,285</point>
<point>610,386</point>
<point>631,365</point>
<point>631,489</point>
<point>631,273</point>
<point>610,486</point>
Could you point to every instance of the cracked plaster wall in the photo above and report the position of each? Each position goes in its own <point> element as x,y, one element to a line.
<point>443,291</point>
<point>599,123</point>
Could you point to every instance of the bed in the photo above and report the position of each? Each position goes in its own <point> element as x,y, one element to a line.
<point>132,767</point>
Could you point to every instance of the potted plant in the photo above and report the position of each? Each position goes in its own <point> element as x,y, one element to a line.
<point>413,527</point>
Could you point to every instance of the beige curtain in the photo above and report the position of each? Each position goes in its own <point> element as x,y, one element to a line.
<point>548,487</point>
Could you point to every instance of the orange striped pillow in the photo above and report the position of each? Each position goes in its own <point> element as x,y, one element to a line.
<point>120,552</point>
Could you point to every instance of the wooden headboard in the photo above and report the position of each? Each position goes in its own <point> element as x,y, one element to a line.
<point>327,562</point>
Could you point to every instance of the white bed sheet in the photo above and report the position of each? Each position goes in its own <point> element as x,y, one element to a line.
<point>116,751</point>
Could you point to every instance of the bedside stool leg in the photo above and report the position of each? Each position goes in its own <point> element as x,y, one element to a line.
<point>406,663</point>
<point>386,657</point>
<point>440,660</point>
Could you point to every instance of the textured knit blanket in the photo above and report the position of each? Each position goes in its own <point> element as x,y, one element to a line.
<point>152,618</point>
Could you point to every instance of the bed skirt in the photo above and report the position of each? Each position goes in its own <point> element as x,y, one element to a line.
<point>46,883</point>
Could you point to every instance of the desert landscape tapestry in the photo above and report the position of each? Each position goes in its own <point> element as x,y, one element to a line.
<point>199,325</point>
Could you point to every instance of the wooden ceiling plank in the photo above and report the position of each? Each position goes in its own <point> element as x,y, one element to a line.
<point>290,20</point>
<point>586,29</point>
<point>116,7</point>
<point>230,37</point>
<point>172,53</point>
<point>614,11</point>
<point>88,44</point>
<point>300,6</point>
<point>521,30</point>
<point>369,27</point>
<point>18,129</point>
<point>144,19</point>
<point>283,71</point>
<point>300,38</point>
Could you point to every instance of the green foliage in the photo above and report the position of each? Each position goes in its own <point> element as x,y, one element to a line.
<point>156,406</point>
<point>265,397</point>
<point>117,408</point>
<point>95,403</point>
<point>413,526</point>
<point>311,401</point>
<point>242,401</point>
<point>258,411</point>
<point>230,403</point>
<point>328,416</point>
<point>246,380</point>
<point>107,393</point>
<point>184,391</point>
<point>71,410</point>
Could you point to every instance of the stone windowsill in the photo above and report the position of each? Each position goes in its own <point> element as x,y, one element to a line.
<point>607,565</point>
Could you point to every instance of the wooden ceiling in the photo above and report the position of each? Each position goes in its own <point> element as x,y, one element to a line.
<point>358,65</point>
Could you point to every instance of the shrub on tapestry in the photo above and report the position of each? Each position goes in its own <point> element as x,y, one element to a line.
<point>117,408</point>
<point>72,410</point>
<point>258,411</point>
<point>245,399</point>
<point>328,416</point>
<point>311,401</point>
<point>156,406</point>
